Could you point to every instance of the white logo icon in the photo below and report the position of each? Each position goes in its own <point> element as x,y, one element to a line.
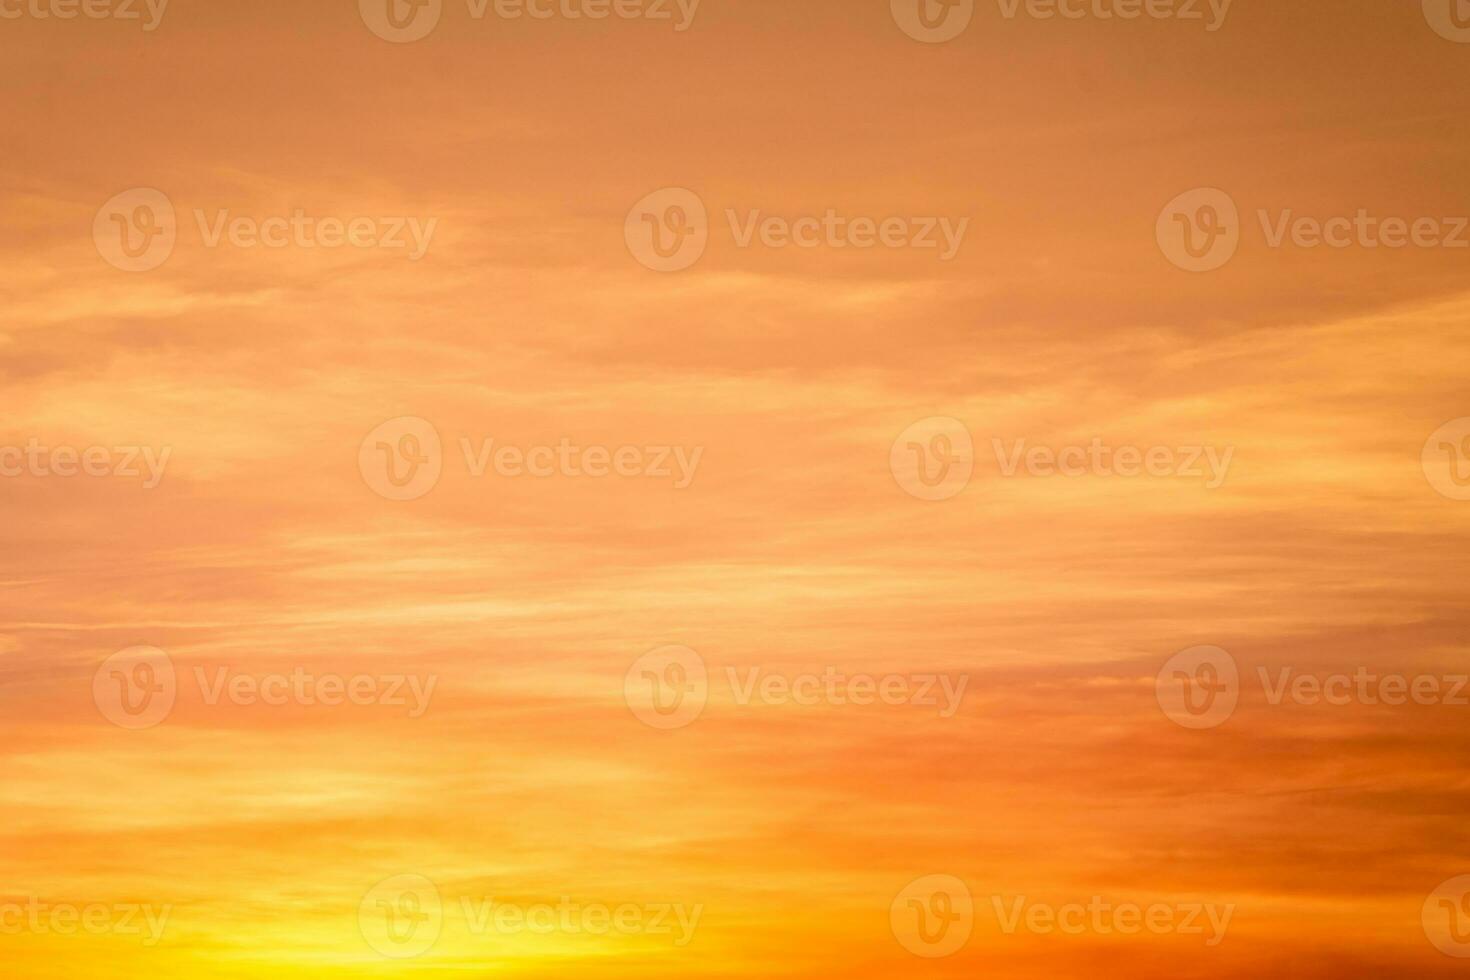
<point>1446,459</point>
<point>1449,18</point>
<point>1199,231</point>
<point>667,688</point>
<point>933,21</point>
<point>667,231</point>
<point>933,459</point>
<point>1446,917</point>
<point>1199,687</point>
<point>136,688</point>
<point>401,917</point>
<point>401,21</point>
<point>402,459</point>
<point>933,916</point>
<point>136,230</point>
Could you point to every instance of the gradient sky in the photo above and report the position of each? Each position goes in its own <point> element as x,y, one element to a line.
<point>263,549</point>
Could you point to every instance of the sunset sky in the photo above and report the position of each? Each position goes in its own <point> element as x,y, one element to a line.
<point>245,401</point>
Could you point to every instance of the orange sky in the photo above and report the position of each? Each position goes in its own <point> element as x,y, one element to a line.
<point>789,379</point>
